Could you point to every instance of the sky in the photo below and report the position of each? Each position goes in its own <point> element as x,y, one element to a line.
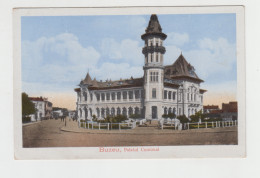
<point>58,51</point>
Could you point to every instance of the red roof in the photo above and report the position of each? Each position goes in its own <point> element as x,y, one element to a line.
<point>36,98</point>
<point>211,107</point>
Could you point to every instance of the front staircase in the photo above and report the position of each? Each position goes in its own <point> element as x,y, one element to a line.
<point>151,123</point>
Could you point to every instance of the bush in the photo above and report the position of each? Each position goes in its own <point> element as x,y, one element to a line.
<point>135,116</point>
<point>183,119</point>
<point>26,119</point>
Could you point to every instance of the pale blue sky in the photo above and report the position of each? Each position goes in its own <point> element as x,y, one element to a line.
<point>57,51</point>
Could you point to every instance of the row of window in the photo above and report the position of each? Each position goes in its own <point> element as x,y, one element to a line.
<point>191,97</point>
<point>154,57</point>
<point>152,42</point>
<point>154,76</point>
<point>169,94</point>
<point>112,96</point>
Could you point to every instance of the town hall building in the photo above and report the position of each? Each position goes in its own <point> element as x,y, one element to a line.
<point>161,90</point>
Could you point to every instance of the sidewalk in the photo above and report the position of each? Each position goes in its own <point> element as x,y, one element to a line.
<point>31,123</point>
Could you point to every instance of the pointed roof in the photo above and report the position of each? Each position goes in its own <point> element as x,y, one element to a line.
<point>87,79</point>
<point>181,68</point>
<point>154,28</point>
<point>94,83</point>
<point>154,25</point>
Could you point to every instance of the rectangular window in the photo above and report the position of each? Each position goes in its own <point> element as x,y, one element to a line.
<point>98,96</point>
<point>130,94</point>
<point>165,94</point>
<point>157,58</point>
<point>151,76</point>
<point>108,96</point>
<point>137,95</point>
<point>103,96</point>
<point>156,78</point>
<point>124,95</point>
<point>173,95</point>
<point>154,93</point>
<point>170,95</point>
<point>119,95</point>
<point>113,96</point>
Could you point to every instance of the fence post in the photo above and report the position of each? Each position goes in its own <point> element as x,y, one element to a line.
<point>206,125</point>
<point>198,125</point>
<point>99,126</point>
<point>92,125</point>
<point>119,126</point>
<point>212,124</point>
<point>107,126</point>
<point>188,126</point>
<point>88,125</point>
<point>223,124</point>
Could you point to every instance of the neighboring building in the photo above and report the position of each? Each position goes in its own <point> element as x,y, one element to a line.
<point>210,108</point>
<point>72,114</point>
<point>229,111</point>
<point>59,112</point>
<point>161,90</point>
<point>43,108</point>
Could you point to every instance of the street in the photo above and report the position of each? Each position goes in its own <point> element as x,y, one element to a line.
<point>48,134</point>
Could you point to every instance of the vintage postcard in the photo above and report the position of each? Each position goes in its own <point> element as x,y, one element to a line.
<point>129,82</point>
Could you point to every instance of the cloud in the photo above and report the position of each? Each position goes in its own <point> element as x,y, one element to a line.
<point>213,57</point>
<point>127,50</point>
<point>116,71</point>
<point>172,53</point>
<point>57,61</point>
<point>178,39</point>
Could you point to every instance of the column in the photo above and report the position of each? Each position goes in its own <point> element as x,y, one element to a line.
<point>115,96</point>
<point>133,95</point>
<point>105,97</point>
<point>127,96</point>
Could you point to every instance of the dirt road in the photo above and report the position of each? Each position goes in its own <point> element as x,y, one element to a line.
<point>48,134</point>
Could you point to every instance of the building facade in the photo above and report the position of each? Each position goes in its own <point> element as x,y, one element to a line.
<point>43,108</point>
<point>161,90</point>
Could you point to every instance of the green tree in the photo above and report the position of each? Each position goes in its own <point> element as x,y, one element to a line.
<point>183,119</point>
<point>197,116</point>
<point>172,115</point>
<point>27,106</point>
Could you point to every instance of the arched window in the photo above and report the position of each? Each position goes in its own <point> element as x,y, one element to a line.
<point>165,110</point>
<point>98,112</point>
<point>130,111</point>
<point>137,111</point>
<point>118,111</point>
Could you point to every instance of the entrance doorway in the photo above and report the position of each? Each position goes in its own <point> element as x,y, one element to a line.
<point>154,112</point>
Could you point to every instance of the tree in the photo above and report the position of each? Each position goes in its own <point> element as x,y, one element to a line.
<point>183,119</point>
<point>172,115</point>
<point>27,106</point>
<point>197,116</point>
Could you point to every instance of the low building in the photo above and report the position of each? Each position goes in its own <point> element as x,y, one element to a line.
<point>43,108</point>
<point>59,112</point>
<point>229,111</point>
<point>209,108</point>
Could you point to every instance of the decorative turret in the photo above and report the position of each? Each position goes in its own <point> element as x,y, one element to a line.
<point>153,38</point>
<point>87,80</point>
<point>153,67</point>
